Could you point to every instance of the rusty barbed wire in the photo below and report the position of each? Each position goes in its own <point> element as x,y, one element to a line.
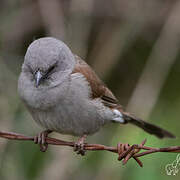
<point>124,150</point>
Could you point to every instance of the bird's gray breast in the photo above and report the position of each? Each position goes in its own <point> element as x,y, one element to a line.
<point>75,113</point>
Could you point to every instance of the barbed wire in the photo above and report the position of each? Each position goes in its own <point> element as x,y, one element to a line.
<point>124,150</point>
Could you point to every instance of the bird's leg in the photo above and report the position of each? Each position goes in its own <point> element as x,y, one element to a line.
<point>79,145</point>
<point>41,139</point>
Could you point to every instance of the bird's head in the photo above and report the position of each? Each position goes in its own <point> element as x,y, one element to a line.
<point>47,62</point>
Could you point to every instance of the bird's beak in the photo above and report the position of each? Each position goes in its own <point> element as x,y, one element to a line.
<point>38,78</point>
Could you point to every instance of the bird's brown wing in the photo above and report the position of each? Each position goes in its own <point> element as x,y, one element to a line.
<point>98,88</point>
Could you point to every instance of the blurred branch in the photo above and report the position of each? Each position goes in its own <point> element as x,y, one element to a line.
<point>53,17</point>
<point>24,27</point>
<point>107,51</point>
<point>158,66</point>
<point>125,151</point>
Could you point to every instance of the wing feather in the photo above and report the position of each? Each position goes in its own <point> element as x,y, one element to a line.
<point>98,88</point>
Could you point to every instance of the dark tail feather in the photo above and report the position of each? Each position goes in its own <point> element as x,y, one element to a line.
<point>148,127</point>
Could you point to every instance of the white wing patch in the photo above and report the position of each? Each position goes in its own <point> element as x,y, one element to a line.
<point>118,116</point>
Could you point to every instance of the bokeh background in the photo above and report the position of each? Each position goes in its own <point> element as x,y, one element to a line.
<point>132,45</point>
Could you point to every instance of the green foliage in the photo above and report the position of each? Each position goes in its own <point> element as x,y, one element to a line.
<point>119,46</point>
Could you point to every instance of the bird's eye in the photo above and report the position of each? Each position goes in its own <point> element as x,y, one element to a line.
<point>50,70</point>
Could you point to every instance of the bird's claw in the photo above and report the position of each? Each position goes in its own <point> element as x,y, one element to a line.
<point>79,146</point>
<point>41,140</point>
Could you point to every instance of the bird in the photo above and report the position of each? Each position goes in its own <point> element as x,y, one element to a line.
<point>64,95</point>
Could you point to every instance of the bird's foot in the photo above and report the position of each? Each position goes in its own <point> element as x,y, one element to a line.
<point>79,145</point>
<point>41,140</point>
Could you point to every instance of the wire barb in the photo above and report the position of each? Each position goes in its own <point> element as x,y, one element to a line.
<point>124,150</point>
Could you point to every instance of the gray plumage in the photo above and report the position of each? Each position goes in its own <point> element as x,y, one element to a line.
<point>61,103</point>
<point>64,95</point>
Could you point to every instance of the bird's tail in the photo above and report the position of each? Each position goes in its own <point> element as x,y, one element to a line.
<point>148,127</point>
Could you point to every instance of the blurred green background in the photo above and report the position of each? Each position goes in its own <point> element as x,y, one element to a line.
<point>132,45</point>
